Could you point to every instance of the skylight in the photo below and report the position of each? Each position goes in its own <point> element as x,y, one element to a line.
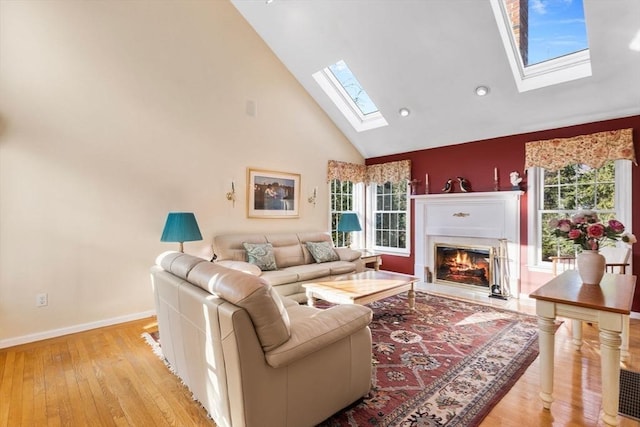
<point>346,92</point>
<point>556,28</point>
<point>352,86</point>
<point>545,41</point>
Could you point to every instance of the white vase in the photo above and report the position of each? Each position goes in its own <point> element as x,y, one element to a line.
<point>590,267</point>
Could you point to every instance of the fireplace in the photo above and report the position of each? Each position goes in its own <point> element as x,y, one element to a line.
<point>466,265</point>
<point>477,222</point>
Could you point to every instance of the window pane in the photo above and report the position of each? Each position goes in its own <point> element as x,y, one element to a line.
<point>352,86</point>
<point>582,188</point>
<point>341,200</point>
<point>391,215</point>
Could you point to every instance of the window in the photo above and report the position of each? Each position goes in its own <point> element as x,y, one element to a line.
<point>353,88</point>
<point>346,92</point>
<point>345,196</point>
<point>390,217</point>
<point>605,190</point>
<point>545,41</point>
<point>555,29</point>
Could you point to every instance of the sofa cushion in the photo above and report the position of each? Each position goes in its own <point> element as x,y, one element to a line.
<point>313,329</point>
<point>286,249</point>
<point>322,251</point>
<point>261,254</point>
<point>229,246</point>
<point>341,267</point>
<point>178,263</point>
<point>310,271</point>
<point>279,277</point>
<point>243,266</point>
<point>312,237</point>
<point>259,299</point>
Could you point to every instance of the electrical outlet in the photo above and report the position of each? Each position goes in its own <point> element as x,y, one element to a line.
<point>42,300</point>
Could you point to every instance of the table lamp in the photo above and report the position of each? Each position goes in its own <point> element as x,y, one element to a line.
<point>349,222</point>
<point>181,227</point>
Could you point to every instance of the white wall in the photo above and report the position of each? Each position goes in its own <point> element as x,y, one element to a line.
<point>113,113</point>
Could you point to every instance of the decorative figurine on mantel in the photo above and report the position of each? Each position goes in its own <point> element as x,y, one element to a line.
<point>516,179</point>
<point>465,185</point>
<point>448,186</point>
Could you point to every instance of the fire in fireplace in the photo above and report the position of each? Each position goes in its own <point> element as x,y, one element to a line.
<point>467,265</point>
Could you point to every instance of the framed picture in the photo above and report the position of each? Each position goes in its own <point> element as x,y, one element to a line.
<point>272,194</point>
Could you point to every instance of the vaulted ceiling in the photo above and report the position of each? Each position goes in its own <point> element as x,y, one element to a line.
<point>430,55</point>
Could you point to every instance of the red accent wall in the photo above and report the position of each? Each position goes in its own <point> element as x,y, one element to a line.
<point>476,162</point>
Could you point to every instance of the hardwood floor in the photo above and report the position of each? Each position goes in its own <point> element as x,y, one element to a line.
<point>110,377</point>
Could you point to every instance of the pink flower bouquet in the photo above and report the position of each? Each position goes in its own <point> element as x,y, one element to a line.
<point>586,229</point>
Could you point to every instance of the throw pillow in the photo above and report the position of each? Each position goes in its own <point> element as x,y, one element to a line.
<point>261,254</point>
<point>322,251</point>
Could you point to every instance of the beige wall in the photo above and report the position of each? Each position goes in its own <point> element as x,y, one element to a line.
<point>113,113</point>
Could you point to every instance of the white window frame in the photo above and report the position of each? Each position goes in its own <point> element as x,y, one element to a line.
<point>536,177</point>
<point>559,70</point>
<point>334,90</point>
<point>371,226</point>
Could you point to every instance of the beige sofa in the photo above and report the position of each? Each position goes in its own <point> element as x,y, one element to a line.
<point>295,264</point>
<point>251,357</point>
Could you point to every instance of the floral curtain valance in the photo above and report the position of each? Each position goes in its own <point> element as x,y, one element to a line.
<point>344,171</point>
<point>592,150</point>
<point>393,172</point>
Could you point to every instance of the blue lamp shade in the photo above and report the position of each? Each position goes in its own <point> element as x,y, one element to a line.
<point>181,227</point>
<point>349,222</point>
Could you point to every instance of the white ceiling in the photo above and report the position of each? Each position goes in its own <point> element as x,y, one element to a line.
<point>430,55</point>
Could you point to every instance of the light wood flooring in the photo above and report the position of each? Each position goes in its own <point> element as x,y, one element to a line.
<point>110,377</point>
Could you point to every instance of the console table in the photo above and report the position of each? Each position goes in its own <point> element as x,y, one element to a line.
<point>608,305</point>
<point>371,259</point>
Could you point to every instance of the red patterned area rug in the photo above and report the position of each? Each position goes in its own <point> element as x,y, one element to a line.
<point>445,364</point>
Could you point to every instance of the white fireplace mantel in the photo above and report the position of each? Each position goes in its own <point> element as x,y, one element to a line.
<point>480,217</point>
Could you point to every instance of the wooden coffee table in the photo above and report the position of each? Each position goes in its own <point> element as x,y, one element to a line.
<point>362,288</point>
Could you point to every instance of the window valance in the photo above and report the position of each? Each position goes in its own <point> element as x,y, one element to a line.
<point>344,171</point>
<point>393,172</point>
<point>592,150</point>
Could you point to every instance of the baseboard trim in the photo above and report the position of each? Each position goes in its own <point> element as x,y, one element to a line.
<point>25,339</point>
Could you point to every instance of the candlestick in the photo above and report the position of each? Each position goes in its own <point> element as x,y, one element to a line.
<point>496,181</point>
<point>495,174</point>
<point>426,183</point>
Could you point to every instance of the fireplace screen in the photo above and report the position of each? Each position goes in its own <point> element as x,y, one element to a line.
<point>466,265</point>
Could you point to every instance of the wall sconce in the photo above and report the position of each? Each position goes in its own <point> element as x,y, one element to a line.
<point>314,196</point>
<point>231,195</point>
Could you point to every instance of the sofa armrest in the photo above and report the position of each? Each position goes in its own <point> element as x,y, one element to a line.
<point>314,332</point>
<point>348,254</point>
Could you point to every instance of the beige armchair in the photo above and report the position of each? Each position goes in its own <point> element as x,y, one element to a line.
<point>251,357</point>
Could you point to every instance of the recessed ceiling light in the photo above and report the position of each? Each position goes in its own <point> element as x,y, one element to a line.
<point>482,90</point>
<point>404,112</point>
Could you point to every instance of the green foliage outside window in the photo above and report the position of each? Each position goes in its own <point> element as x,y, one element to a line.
<point>341,201</point>
<point>569,190</point>
<point>391,215</point>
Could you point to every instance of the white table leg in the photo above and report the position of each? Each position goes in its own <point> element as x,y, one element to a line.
<point>546,341</point>
<point>576,329</point>
<point>310,300</point>
<point>610,355</point>
<point>624,348</point>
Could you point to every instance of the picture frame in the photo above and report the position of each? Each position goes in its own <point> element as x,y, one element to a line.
<point>272,194</point>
